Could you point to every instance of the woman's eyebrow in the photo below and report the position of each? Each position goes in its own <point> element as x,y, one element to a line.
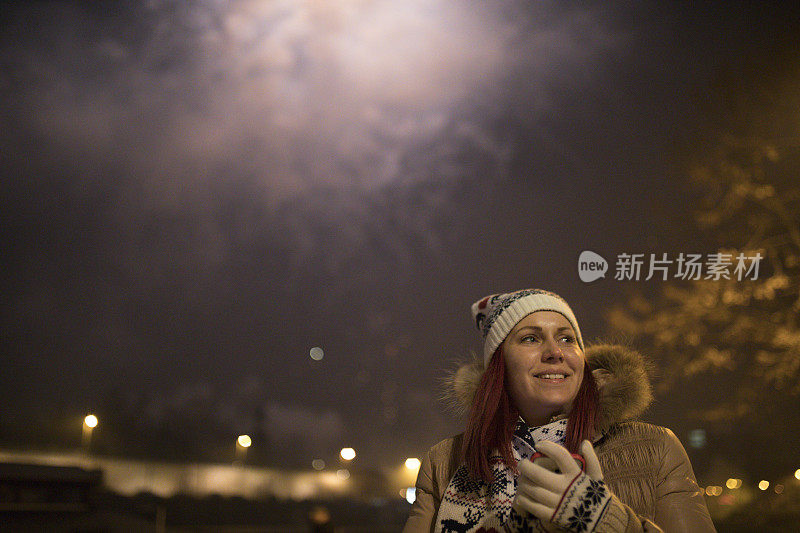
<point>538,328</point>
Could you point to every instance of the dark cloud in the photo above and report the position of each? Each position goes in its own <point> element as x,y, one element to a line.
<point>197,193</point>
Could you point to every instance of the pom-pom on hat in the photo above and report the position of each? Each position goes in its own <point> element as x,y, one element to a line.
<point>497,314</point>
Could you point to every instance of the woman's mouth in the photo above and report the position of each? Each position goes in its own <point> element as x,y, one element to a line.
<point>551,377</point>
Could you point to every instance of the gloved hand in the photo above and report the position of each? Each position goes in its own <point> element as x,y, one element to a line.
<point>571,499</point>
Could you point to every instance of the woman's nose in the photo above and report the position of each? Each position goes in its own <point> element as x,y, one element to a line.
<point>552,351</point>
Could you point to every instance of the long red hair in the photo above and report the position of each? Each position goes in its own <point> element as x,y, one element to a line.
<point>493,416</point>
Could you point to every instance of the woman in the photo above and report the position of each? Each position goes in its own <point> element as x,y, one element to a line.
<point>538,392</point>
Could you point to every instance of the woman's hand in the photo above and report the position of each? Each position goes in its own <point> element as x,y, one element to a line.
<point>571,498</point>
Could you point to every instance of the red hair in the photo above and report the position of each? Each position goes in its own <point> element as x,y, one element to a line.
<point>491,421</point>
<point>493,416</point>
<point>585,413</point>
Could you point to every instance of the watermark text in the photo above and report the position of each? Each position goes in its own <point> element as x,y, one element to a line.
<point>685,266</point>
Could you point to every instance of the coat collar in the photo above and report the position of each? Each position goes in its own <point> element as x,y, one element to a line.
<point>621,372</point>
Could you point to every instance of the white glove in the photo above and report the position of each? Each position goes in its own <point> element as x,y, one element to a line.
<point>571,499</point>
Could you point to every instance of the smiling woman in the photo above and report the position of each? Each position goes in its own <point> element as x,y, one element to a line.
<point>550,442</point>
<point>544,365</point>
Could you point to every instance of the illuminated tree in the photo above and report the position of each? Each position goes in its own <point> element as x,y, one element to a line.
<point>749,202</point>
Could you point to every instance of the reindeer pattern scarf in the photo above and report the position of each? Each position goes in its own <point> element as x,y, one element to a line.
<point>471,505</point>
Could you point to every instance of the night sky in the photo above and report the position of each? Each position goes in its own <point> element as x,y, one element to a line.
<point>195,194</point>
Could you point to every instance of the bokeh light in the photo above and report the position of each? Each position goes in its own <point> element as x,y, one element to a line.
<point>318,464</point>
<point>319,516</point>
<point>763,484</point>
<point>348,454</point>
<point>697,438</point>
<point>316,353</point>
<point>343,473</point>
<point>733,483</point>
<point>412,463</point>
<point>244,441</point>
<point>90,421</point>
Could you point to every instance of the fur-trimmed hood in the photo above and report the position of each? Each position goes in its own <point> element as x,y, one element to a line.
<point>621,373</point>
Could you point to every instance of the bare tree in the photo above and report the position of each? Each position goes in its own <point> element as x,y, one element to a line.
<point>748,177</point>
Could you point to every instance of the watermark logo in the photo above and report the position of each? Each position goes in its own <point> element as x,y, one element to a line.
<point>631,267</point>
<point>591,266</point>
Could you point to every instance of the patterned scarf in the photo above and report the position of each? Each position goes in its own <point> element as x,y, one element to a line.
<point>470,505</point>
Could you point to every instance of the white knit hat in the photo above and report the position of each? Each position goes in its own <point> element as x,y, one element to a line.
<point>497,314</point>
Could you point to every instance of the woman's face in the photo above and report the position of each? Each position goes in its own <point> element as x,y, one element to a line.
<point>544,366</point>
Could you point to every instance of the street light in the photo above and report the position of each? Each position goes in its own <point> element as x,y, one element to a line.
<point>408,472</point>
<point>242,443</point>
<point>89,423</point>
<point>413,464</point>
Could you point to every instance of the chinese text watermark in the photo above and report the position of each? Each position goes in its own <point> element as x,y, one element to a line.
<point>686,266</point>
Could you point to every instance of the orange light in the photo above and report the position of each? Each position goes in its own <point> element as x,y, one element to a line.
<point>412,463</point>
<point>733,483</point>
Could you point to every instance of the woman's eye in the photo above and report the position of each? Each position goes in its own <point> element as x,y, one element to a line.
<point>528,338</point>
<point>568,338</point>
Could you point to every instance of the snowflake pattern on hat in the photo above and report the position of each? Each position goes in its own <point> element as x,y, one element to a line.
<point>496,315</point>
<point>506,303</point>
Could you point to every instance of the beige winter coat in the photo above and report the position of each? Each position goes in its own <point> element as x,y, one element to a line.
<point>645,466</point>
